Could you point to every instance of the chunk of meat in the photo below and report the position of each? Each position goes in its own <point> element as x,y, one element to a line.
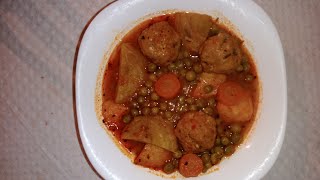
<point>193,29</point>
<point>234,103</point>
<point>212,79</point>
<point>196,132</point>
<point>112,113</point>
<point>221,53</point>
<point>153,156</point>
<point>160,42</point>
<point>131,72</point>
<point>153,130</point>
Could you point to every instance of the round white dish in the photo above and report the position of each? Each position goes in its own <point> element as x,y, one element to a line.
<point>256,155</point>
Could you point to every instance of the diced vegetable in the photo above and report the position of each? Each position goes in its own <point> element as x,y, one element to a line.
<point>169,168</point>
<point>168,86</point>
<point>234,103</point>
<point>230,93</point>
<point>206,79</point>
<point>240,112</point>
<point>113,112</point>
<point>190,165</point>
<point>131,72</point>
<point>193,29</point>
<point>153,130</point>
<point>153,156</point>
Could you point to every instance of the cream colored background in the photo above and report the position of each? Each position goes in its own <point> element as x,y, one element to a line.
<point>38,138</point>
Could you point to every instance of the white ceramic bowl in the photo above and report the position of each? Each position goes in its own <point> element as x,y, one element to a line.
<point>258,153</point>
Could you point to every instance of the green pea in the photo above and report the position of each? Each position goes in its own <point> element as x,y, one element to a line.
<point>246,66</point>
<point>155,110</point>
<point>135,104</point>
<point>207,89</point>
<point>140,99</point>
<point>205,158</point>
<point>183,72</point>
<point>249,77</point>
<point>208,110</point>
<point>207,166</point>
<point>152,67</point>
<point>188,62</point>
<point>146,111</point>
<point>215,158</point>
<point>235,138</point>
<point>168,114</point>
<point>143,91</point>
<point>177,154</point>
<point>218,150</point>
<point>181,99</point>
<point>220,130</point>
<point>190,100</point>
<point>236,128</point>
<point>197,68</point>
<point>200,103</point>
<point>228,133</point>
<point>126,118</point>
<point>152,77</point>
<point>163,106</point>
<point>218,141</point>
<point>159,72</point>
<point>146,104</point>
<point>193,107</point>
<point>184,109</point>
<point>229,150</point>
<point>225,141</point>
<point>179,64</point>
<point>134,112</point>
<point>148,84</point>
<point>240,68</point>
<point>172,67</point>
<point>154,96</point>
<point>212,102</point>
<point>191,76</point>
<point>169,168</point>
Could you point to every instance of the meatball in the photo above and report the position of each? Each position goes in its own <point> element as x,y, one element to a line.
<point>160,42</point>
<point>221,53</point>
<point>196,132</point>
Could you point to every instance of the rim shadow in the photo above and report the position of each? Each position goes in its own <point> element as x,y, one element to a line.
<point>74,69</point>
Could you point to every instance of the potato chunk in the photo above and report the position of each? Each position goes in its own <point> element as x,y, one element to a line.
<point>193,29</point>
<point>234,103</point>
<point>241,112</point>
<point>153,156</point>
<point>131,72</point>
<point>208,79</point>
<point>153,130</point>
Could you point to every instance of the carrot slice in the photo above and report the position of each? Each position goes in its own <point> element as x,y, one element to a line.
<point>190,165</point>
<point>230,93</point>
<point>168,86</point>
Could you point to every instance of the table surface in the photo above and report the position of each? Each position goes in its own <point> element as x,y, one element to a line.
<point>38,129</point>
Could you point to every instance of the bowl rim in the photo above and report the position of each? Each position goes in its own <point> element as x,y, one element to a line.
<point>84,140</point>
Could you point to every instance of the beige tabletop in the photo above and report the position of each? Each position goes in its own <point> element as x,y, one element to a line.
<point>38,135</point>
